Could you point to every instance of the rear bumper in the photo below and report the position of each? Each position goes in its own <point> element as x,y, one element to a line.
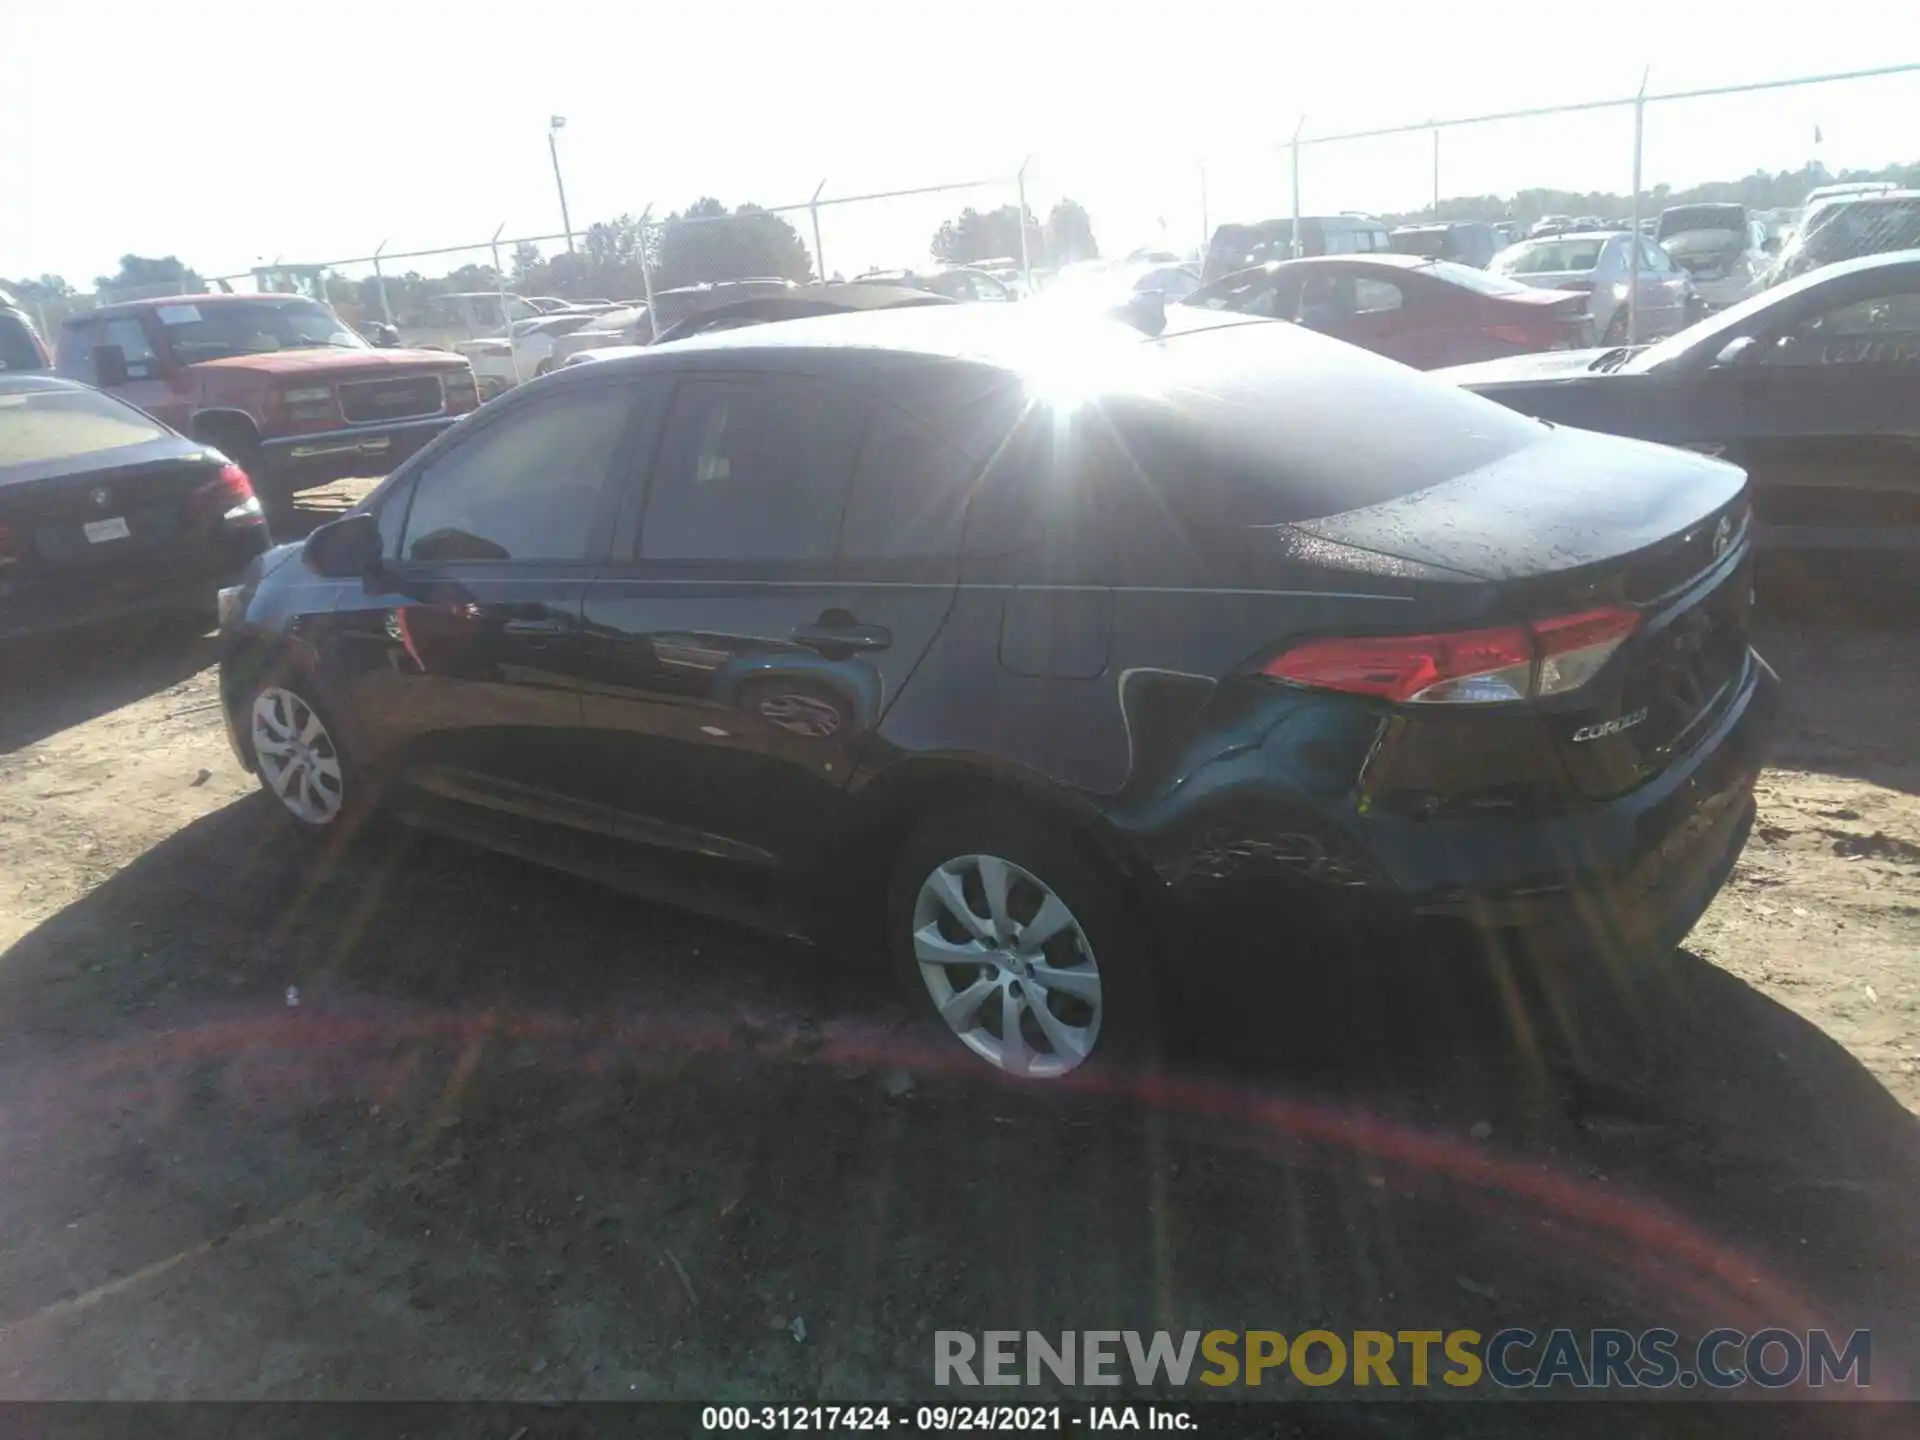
<point>184,578</point>
<point>1627,875</point>
<point>1631,874</point>
<point>298,462</point>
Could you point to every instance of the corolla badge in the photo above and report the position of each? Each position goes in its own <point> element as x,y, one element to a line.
<point>1722,536</point>
<point>1600,729</point>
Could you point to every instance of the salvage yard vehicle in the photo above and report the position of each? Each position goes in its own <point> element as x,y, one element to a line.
<point>1848,227</point>
<point>278,382</point>
<point>1240,247</point>
<point>106,514</point>
<point>1812,386</point>
<point>1464,242</point>
<point>1423,313</point>
<point>1724,250</point>
<point>1012,642</point>
<point>1597,262</point>
<point>633,325</point>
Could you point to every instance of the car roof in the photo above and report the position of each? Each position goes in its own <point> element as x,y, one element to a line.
<point>14,382</point>
<point>122,307</point>
<point>1000,337</point>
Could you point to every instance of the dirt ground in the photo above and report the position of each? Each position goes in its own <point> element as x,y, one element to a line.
<point>421,1121</point>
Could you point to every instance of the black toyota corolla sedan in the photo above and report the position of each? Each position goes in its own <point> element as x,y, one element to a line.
<point>106,514</point>
<point>1016,637</point>
<point>1812,387</point>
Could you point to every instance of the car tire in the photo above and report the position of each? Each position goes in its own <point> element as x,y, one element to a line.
<point>309,779</point>
<point>1092,973</point>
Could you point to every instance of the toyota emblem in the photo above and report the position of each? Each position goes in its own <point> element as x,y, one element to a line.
<point>1722,536</point>
<point>100,495</point>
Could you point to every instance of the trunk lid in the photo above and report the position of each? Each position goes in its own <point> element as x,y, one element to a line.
<point>106,515</point>
<point>1574,524</point>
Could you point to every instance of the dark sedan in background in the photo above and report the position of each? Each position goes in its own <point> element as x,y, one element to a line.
<point>1014,646</point>
<point>1423,313</point>
<point>107,514</point>
<point>1813,387</point>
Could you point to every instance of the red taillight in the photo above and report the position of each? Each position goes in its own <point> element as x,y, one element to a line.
<point>229,495</point>
<point>1512,662</point>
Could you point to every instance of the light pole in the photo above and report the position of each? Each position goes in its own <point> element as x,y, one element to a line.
<point>554,127</point>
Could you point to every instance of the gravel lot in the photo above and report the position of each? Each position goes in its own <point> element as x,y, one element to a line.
<point>523,1138</point>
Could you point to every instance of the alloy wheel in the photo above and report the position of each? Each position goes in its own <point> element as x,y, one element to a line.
<point>297,757</point>
<point>1008,966</point>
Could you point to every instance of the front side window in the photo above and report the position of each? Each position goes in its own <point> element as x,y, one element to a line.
<point>131,337</point>
<point>1882,330</point>
<point>752,467</point>
<point>527,487</point>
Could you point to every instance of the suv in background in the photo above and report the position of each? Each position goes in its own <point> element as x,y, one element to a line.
<point>1849,226</point>
<point>1241,247</point>
<point>279,383</point>
<point>1469,242</point>
<point>21,347</point>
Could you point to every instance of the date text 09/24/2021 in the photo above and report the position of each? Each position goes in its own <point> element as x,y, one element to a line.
<point>945,1419</point>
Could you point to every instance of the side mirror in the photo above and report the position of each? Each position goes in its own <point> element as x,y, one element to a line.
<point>109,365</point>
<point>386,337</point>
<point>344,548</point>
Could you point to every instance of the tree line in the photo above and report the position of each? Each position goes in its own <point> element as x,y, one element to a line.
<point>707,241</point>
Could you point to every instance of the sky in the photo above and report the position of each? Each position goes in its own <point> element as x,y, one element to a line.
<point>238,134</point>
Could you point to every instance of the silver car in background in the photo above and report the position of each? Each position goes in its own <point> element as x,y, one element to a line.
<point>1725,250</point>
<point>1597,262</point>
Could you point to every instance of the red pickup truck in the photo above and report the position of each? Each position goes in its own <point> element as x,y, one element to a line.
<point>277,382</point>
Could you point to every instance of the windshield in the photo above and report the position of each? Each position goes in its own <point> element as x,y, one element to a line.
<point>196,332</point>
<point>1562,255</point>
<point>42,425</point>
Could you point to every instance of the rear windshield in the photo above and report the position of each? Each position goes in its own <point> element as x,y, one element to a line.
<point>1431,243</point>
<point>1481,282</point>
<point>18,348</point>
<point>1861,227</point>
<point>1262,423</point>
<point>1558,256</point>
<point>40,425</point>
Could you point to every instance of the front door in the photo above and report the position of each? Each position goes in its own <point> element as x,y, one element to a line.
<point>796,555</point>
<point>464,659</point>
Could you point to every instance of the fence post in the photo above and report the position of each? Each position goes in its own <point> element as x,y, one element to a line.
<point>380,284</point>
<point>1206,230</point>
<point>819,252</point>
<point>1436,169</point>
<point>1633,247</point>
<point>500,286</point>
<point>1020,190</point>
<point>646,273</point>
<point>1296,185</point>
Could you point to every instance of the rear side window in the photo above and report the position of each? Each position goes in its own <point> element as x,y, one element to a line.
<point>530,486</point>
<point>908,502</point>
<point>752,468</point>
<point>40,425</point>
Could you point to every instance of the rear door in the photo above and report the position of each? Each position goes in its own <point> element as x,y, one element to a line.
<point>463,660</point>
<point>794,556</point>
